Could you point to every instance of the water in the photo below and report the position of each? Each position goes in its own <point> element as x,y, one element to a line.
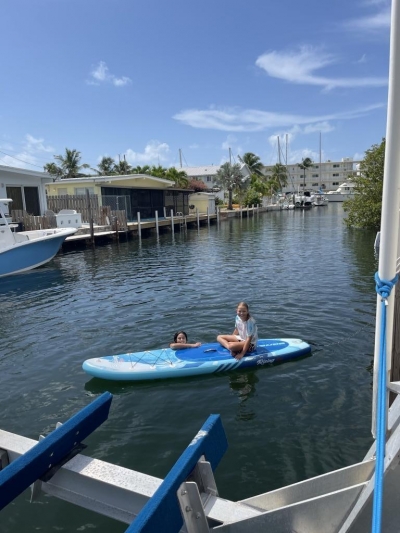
<point>304,275</point>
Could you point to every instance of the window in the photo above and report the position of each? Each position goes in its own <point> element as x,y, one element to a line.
<point>336,165</point>
<point>24,199</point>
<point>82,190</point>
<point>315,185</point>
<point>315,166</point>
<point>335,183</point>
<point>335,175</point>
<point>323,186</point>
<point>315,175</point>
<point>208,178</point>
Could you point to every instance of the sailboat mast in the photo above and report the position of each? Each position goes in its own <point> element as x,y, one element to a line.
<point>279,151</point>
<point>180,157</point>
<point>320,159</point>
<point>388,249</point>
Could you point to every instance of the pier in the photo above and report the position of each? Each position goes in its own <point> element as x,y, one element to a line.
<point>174,223</point>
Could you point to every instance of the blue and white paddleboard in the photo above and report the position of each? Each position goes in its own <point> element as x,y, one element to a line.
<point>208,358</point>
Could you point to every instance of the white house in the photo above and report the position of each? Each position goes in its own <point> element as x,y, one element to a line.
<point>26,188</point>
<point>207,174</point>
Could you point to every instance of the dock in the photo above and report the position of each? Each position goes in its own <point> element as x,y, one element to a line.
<point>84,235</point>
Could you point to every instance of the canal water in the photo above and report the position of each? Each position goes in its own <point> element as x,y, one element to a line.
<point>304,274</point>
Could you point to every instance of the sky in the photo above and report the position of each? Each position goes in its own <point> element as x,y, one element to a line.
<point>192,82</point>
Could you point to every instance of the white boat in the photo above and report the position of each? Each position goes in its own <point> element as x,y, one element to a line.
<point>342,193</point>
<point>319,199</point>
<point>25,250</point>
<point>303,200</point>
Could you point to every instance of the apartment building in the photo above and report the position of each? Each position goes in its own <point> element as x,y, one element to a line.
<point>326,176</point>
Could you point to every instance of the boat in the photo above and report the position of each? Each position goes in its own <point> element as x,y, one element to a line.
<point>303,200</point>
<point>342,193</point>
<point>319,199</point>
<point>25,250</point>
<point>210,358</point>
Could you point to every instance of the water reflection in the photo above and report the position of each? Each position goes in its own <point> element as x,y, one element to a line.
<point>243,385</point>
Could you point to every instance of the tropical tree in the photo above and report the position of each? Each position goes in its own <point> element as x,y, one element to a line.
<point>230,178</point>
<point>53,170</point>
<point>178,176</point>
<point>158,171</point>
<point>106,167</point>
<point>253,162</point>
<point>69,165</point>
<point>141,170</point>
<point>304,165</point>
<point>122,168</point>
<point>279,175</point>
<point>365,207</point>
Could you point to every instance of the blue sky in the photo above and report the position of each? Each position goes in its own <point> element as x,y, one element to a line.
<point>146,78</point>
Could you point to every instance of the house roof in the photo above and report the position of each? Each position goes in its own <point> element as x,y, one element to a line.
<point>26,172</point>
<point>110,179</point>
<point>209,170</point>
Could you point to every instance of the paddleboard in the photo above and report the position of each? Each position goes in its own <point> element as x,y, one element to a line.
<point>210,358</point>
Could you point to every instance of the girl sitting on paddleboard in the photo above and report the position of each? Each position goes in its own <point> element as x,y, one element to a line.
<point>181,341</point>
<point>244,339</point>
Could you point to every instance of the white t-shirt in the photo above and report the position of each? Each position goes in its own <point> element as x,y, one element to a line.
<point>247,329</point>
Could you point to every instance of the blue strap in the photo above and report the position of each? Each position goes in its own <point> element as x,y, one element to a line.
<point>383,288</point>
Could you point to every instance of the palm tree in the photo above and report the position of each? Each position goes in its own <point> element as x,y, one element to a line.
<point>158,171</point>
<point>178,176</point>
<point>53,170</point>
<point>229,177</point>
<point>141,170</point>
<point>106,166</point>
<point>122,168</point>
<point>279,174</point>
<point>305,163</point>
<point>70,164</point>
<point>253,162</point>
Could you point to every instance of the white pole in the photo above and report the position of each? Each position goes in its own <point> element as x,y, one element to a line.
<point>165,212</point>
<point>157,229</point>
<point>208,217</point>
<point>198,218</point>
<point>139,227</point>
<point>218,215</point>
<point>390,199</point>
<point>172,221</point>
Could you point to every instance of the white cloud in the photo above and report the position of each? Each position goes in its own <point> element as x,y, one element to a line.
<point>155,152</point>
<point>377,21</point>
<point>299,67</point>
<point>36,145</point>
<point>363,59</point>
<point>253,120</point>
<point>101,74</point>
<point>27,156</point>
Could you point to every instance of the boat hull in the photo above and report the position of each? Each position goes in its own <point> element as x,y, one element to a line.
<point>24,256</point>
<point>209,358</point>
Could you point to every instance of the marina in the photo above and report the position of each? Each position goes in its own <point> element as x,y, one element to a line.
<point>283,424</point>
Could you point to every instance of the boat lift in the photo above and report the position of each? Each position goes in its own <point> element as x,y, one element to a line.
<point>187,500</point>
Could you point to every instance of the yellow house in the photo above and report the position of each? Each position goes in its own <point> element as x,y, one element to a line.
<point>140,193</point>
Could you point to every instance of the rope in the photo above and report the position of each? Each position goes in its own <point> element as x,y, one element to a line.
<point>383,288</point>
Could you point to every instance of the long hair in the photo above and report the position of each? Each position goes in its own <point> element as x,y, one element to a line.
<point>178,333</point>
<point>244,304</point>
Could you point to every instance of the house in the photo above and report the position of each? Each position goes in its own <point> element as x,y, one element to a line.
<point>207,175</point>
<point>26,188</point>
<point>136,193</point>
